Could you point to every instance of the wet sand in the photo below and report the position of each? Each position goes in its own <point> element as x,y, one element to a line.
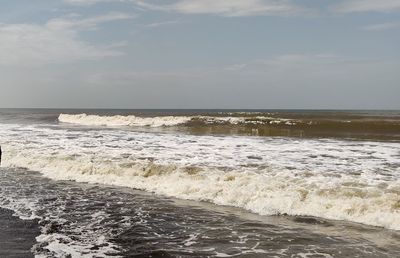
<point>16,236</point>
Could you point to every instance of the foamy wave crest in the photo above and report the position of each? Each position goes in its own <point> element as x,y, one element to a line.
<point>118,120</point>
<point>277,193</point>
<point>355,181</point>
<point>95,120</point>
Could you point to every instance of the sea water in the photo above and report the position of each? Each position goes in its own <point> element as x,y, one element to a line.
<point>212,183</point>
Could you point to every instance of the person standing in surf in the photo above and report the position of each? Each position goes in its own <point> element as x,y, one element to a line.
<point>0,155</point>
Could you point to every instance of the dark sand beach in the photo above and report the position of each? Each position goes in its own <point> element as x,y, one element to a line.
<point>16,236</point>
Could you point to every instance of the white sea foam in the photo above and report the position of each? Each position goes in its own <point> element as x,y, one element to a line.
<point>58,238</point>
<point>84,119</point>
<point>59,246</point>
<point>341,180</point>
<point>158,121</point>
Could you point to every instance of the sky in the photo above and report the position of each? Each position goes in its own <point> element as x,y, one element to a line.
<point>244,54</point>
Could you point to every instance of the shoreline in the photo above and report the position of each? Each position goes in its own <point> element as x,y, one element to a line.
<point>17,236</point>
<point>104,225</point>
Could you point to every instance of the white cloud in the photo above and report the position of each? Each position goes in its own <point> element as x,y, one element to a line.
<point>87,2</point>
<point>57,41</point>
<point>89,23</point>
<point>368,6</point>
<point>287,61</point>
<point>26,44</point>
<point>235,7</point>
<point>217,7</point>
<point>253,7</point>
<point>383,26</point>
<point>236,67</point>
<point>159,24</point>
<point>229,7</point>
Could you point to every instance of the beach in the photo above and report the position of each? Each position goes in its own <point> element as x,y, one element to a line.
<point>178,184</point>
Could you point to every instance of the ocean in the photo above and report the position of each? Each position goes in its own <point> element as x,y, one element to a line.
<point>204,183</point>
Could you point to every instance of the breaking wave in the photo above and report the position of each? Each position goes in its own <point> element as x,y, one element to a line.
<point>281,193</point>
<point>95,120</point>
<point>158,121</point>
<point>339,180</point>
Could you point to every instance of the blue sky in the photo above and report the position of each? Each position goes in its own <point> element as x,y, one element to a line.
<point>200,54</point>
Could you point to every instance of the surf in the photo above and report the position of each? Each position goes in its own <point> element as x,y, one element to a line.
<point>332,179</point>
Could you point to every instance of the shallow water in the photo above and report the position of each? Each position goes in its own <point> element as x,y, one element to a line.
<point>17,236</point>
<point>94,220</point>
<point>356,181</point>
<point>208,191</point>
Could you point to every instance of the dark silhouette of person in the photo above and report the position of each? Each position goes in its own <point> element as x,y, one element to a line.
<point>0,155</point>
